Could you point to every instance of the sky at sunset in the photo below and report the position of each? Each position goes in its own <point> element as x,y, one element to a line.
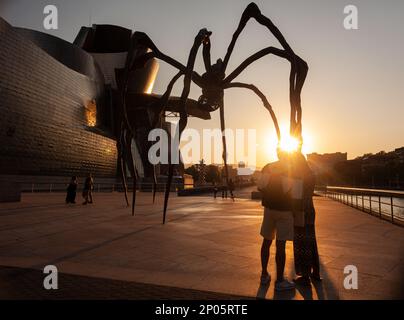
<point>353,99</point>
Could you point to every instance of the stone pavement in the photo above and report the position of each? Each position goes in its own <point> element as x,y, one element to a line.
<point>207,249</point>
<point>19,283</point>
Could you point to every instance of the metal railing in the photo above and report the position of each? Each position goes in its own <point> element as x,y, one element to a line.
<point>385,204</point>
<point>98,187</point>
<point>112,187</point>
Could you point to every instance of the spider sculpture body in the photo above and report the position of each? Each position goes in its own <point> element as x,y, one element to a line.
<point>213,83</point>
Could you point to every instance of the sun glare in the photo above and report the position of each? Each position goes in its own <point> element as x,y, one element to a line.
<point>289,143</point>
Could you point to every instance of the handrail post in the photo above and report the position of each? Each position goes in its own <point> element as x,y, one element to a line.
<point>380,208</point>
<point>370,204</point>
<point>363,203</point>
<point>392,209</point>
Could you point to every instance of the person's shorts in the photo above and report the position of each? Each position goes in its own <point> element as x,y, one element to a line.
<point>279,223</point>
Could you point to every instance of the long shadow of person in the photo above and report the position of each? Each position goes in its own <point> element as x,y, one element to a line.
<point>278,295</point>
<point>305,291</point>
<point>325,289</point>
<point>262,291</point>
<point>319,287</point>
<point>284,295</point>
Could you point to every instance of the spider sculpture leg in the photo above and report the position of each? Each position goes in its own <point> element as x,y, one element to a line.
<point>265,101</point>
<point>120,148</point>
<point>143,39</point>
<point>132,167</point>
<point>140,38</point>
<point>298,66</point>
<point>302,70</point>
<point>295,86</point>
<point>154,183</point>
<point>162,103</point>
<point>203,35</point>
<point>224,154</point>
<point>130,126</point>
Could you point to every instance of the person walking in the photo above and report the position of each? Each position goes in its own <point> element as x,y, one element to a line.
<point>231,188</point>
<point>215,190</point>
<point>71,190</point>
<point>88,190</point>
<point>224,191</point>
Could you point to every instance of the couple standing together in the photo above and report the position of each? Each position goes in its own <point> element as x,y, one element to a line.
<point>287,188</point>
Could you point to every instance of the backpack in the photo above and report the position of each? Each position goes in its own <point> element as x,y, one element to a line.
<point>273,196</point>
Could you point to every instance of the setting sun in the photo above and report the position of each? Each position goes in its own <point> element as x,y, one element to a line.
<point>289,143</point>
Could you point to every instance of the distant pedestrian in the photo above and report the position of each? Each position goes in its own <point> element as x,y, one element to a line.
<point>224,191</point>
<point>71,191</point>
<point>215,190</point>
<point>231,188</point>
<point>88,190</point>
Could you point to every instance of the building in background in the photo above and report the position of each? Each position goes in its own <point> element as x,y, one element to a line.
<point>57,102</point>
<point>384,170</point>
<point>323,165</point>
<point>61,108</point>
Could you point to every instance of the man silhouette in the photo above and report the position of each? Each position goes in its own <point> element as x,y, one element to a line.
<point>277,187</point>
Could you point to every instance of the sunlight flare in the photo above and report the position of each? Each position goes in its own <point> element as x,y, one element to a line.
<point>289,143</point>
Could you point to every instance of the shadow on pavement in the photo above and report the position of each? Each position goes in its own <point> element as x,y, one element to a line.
<point>284,295</point>
<point>262,291</point>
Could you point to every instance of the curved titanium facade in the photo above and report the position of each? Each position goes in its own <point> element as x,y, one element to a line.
<point>43,104</point>
<point>67,54</point>
<point>59,101</point>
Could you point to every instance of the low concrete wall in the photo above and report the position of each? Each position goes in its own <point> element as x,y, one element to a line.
<point>10,190</point>
<point>196,191</point>
<point>256,195</point>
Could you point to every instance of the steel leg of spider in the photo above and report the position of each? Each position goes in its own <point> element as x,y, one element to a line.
<point>140,39</point>
<point>299,67</point>
<point>214,80</point>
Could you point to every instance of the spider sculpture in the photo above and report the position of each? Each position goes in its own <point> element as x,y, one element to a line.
<point>213,83</point>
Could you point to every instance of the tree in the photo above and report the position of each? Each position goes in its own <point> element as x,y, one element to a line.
<point>193,171</point>
<point>212,174</point>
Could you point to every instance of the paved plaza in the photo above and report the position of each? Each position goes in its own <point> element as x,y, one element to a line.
<point>208,249</point>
